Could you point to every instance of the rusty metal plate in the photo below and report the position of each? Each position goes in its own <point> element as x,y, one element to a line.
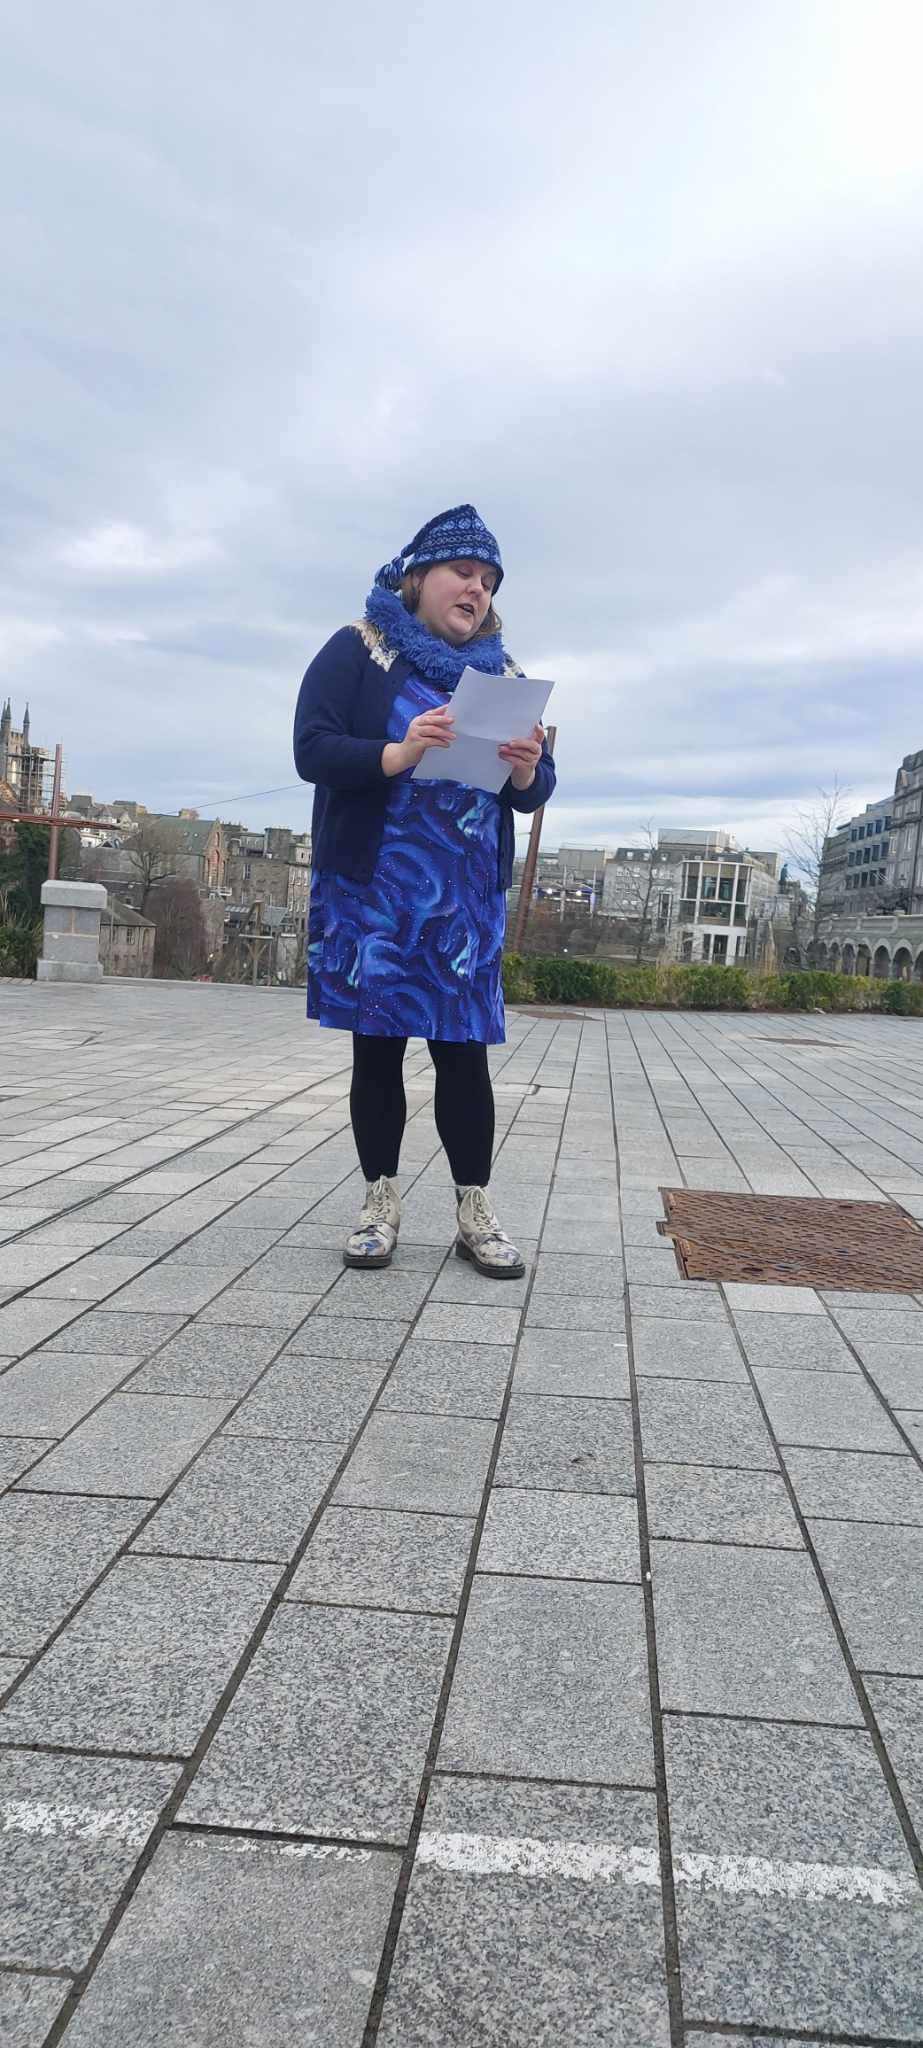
<point>794,1241</point>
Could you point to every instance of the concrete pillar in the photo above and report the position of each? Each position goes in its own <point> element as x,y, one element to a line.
<point>70,940</point>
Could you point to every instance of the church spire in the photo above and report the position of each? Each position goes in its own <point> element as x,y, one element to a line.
<point>25,727</point>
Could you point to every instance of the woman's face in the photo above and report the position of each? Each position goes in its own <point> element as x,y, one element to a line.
<point>455,599</point>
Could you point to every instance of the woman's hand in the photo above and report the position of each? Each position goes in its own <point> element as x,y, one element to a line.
<point>428,729</point>
<point>523,757</point>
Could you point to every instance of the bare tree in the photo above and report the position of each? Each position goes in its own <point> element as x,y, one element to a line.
<point>180,944</point>
<point>638,882</point>
<point>154,851</point>
<point>808,838</point>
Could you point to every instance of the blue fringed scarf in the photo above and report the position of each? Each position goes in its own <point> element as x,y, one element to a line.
<point>427,654</point>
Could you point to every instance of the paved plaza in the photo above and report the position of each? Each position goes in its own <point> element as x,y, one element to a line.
<point>415,1660</point>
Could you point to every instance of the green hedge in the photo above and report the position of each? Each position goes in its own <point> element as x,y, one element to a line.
<point>604,985</point>
<point>19,949</point>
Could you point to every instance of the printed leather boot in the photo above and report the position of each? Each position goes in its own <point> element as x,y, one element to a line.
<point>481,1239</point>
<point>371,1244</point>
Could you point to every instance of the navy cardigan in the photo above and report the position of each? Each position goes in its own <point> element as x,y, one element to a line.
<point>341,726</point>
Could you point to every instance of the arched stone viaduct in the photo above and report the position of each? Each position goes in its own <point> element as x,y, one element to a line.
<point>889,948</point>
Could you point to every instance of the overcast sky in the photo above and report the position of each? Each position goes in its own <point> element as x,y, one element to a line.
<point>642,278</point>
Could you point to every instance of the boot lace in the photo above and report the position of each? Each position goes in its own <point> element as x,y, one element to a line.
<point>485,1222</point>
<point>377,1202</point>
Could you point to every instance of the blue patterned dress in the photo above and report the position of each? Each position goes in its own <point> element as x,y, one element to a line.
<point>416,952</point>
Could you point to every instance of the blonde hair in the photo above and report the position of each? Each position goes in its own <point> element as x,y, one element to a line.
<point>410,592</point>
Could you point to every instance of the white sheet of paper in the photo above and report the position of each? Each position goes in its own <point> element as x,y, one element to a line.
<point>489,710</point>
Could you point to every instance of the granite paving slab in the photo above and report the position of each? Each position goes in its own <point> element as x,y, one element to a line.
<point>47,1393</point>
<point>143,1663</point>
<point>561,1536</point>
<point>25,1265</point>
<point>369,1557</point>
<point>834,1411</point>
<point>565,1235</point>
<point>294,1271</point>
<point>693,1350</point>
<point>870,1326</point>
<point>179,1289</point>
<point>73,1828</point>
<point>551,1682</point>
<point>17,1453</point>
<point>28,2004</point>
<point>708,2040</point>
<point>767,1300</point>
<point>351,1337</point>
<point>657,1268</point>
<point>461,1282</point>
<point>805,1344</point>
<point>875,1575</point>
<point>245,1497</point>
<point>699,1304</point>
<point>436,1462</point>
<point>371,1296</point>
<point>857,1486</point>
<point>897,1370</point>
<point>52,1549</point>
<point>807,1803</point>
<point>105,1329</point>
<point>897,1704</point>
<point>328,1731</point>
<point>314,1399</point>
<point>911,1421</point>
<point>449,1379</point>
<point>588,1363</point>
<point>26,1322</point>
<point>498,1941</point>
<point>213,1359</point>
<point>246,1305</point>
<point>567,1445</point>
<point>456,1323</point>
<point>215,1244</point>
<point>230,1940</point>
<point>690,1422</point>
<point>599,1275</point>
<point>746,1632</point>
<point>89,1279</point>
<point>711,1505</point>
<point>134,1443</point>
<point>576,1313</point>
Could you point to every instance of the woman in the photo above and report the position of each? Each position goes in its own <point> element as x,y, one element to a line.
<point>406,926</point>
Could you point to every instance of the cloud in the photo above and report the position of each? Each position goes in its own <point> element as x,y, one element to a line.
<point>646,287</point>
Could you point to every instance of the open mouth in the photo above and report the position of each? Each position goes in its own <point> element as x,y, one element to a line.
<point>468,609</point>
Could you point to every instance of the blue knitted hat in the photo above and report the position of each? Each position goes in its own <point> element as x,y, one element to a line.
<point>455,536</point>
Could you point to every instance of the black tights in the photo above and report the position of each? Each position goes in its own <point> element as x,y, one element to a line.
<point>464,1106</point>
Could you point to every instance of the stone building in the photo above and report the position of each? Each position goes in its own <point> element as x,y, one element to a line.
<point>271,868</point>
<point>705,897</point>
<point>857,860</point>
<point>24,768</point>
<point>126,941</point>
<point>906,862</point>
<point>874,862</point>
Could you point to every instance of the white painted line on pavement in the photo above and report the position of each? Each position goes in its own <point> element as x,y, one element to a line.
<point>334,1852</point>
<point>130,1824</point>
<point>608,1862</point>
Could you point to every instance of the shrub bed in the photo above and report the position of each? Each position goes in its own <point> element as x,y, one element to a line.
<point>20,945</point>
<point>603,984</point>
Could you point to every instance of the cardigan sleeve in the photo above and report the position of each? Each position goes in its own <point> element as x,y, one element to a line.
<point>538,792</point>
<point>325,749</point>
